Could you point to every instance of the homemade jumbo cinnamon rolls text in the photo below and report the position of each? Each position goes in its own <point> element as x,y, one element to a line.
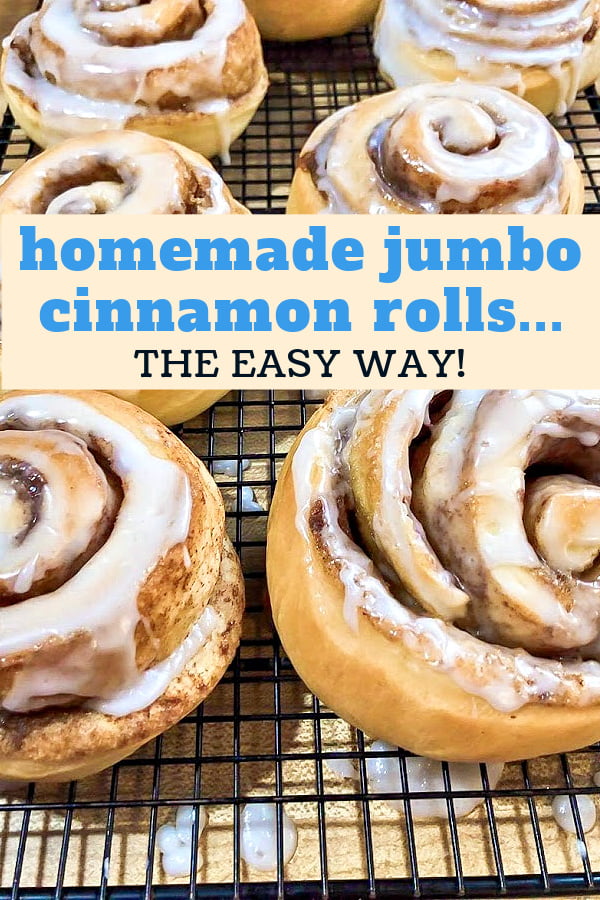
<point>189,70</point>
<point>120,594</point>
<point>433,568</point>
<point>124,172</point>
<point>442,148</point>
<point>544,50</point>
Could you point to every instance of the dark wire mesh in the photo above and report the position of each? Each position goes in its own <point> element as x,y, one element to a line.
<point>261,736</point>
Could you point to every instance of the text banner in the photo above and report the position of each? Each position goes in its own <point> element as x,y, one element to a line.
<point>128,302</point>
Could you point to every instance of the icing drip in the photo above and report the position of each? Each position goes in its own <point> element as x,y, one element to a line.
<point>489,42</point>
<point>473,454</point>
<point>175,841</point>
<point>259,836</point>
<point>100,663</point>
<point>154,681</point>
<point>563,812</point>
<point>444,148</point>
<point>427,776</point>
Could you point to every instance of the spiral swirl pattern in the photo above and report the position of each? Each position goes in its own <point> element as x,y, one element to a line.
<point>117,172</point>
<point>187,69</point>
<point>452,148</point>
<point>467,526</point>
<point>111,546</point>
<point>489,41</point>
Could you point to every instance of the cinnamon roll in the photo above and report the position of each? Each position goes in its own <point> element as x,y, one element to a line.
<point>188,70</point>
<point>432,563</point>
<point>284,20</point>
<point>124,172</point>
<point>120,594</point>
<point>442,148</point>
<point>544,50</point>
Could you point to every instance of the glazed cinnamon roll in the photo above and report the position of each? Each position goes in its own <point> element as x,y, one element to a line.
<point>443,148</point>
<point>124,173</point>
<point>432,562</point>
<point>544,50</point>
<point>286,20</point>
<point>120,594</point>
<point>189,70</point>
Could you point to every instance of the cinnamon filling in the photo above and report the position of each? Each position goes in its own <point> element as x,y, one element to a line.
<point>591,32</point>
<point>50,531</point>
<point>28,484</point>
<point>122,27</point>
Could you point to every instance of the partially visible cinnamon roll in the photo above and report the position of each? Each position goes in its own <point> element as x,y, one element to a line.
<point>442,148</point>
<point>124,172</point>
<point>543,50</point>
<point>188,70</point>
<point>120,594</point>
<point>288,20</point>
<point>433,568</point>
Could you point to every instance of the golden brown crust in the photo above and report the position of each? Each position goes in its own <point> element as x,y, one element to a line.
<point>369,677</point>
<point>59,745</point>
<point>166,110</point>
<point>542,87</point>
<point>188,577</point>
<point>399,176</point>
<point>285,20</point>
<point>173,595</point>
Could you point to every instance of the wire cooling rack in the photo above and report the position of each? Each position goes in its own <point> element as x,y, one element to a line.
<point>261,736</point>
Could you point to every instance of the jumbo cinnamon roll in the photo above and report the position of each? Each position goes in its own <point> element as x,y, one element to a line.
<point>120,594</point>
<point>443,148</point>
<point>287,20</point>
<point>124,172</point>
<point>189,70</point>
<point>432,562</point>
<point>544,50</point>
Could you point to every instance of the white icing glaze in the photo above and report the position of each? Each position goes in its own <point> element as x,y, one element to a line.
<point>175,841</point>
<point>258,843</point>
<point>506,678</point>
<point>249,502</point>
<point>177,863</point>
<point>473,140</point>
<point>156,505</point>
<point>494,44</point>
<point>426,776</point>
<point>563,812</point>
<point>139,162</point>
<point>184,822</point>
<point>96,86</point>
<point>345,768</point>
<point>229,467</point>
<point>167,839</point>
<point>154,681</point>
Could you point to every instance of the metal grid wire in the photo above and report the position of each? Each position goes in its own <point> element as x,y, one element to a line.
<point>260,735</point>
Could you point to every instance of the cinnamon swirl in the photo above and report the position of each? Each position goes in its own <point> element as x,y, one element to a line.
<point>544,50</point>
<point>120,594</point>
<point>190,70</point>
<point>432,563</point>
<point>442,148</point>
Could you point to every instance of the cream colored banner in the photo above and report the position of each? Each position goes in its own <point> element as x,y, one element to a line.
<point>134,302</point>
